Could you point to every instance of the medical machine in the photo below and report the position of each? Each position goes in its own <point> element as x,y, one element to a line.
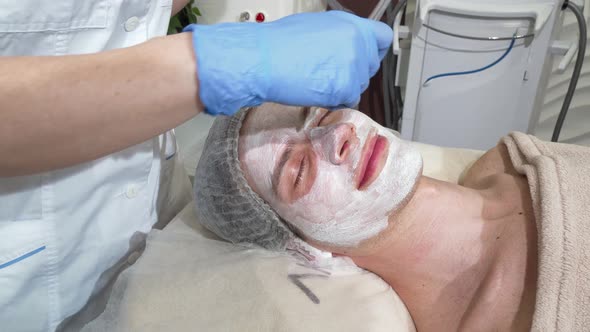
<point>477,69</point>
<point>218,11</point>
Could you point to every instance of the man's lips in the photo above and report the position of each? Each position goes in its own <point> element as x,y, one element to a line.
<point>373,157</point>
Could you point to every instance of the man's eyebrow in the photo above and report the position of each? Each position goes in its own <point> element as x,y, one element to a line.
<point>304,115</point>
<point>279,169</point>
<point>306,111</point>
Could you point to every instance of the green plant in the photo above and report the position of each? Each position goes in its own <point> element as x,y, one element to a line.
<point>187,15</point>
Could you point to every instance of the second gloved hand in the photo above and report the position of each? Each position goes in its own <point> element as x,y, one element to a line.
<point>316,59</point>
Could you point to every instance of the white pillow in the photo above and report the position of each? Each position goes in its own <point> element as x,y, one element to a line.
<point>446,164</point>
<point>188,280</point>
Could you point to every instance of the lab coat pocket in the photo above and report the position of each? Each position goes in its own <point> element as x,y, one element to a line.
<point>25,276</point>
<point>37,27</point>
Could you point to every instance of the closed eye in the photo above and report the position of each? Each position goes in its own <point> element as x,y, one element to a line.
<point>302,167</point>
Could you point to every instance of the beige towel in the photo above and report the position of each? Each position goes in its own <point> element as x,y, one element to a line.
<point>559,180</point>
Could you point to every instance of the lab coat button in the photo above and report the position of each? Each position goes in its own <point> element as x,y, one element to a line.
<point>132,258</point>
<point>131,24</point>
<point>131,191</point>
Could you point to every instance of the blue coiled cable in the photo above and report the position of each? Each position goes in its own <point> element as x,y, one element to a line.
<point>477,70</point>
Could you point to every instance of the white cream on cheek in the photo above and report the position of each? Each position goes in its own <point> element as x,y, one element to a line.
<point>261,153</point>
<point>334,211</point>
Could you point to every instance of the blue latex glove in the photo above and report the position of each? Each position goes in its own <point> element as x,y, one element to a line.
<point>313,59</point>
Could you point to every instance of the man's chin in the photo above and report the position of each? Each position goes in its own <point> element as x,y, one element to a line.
<point>410,193</point>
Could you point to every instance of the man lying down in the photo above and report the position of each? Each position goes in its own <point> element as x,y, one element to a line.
<point>507,250</point>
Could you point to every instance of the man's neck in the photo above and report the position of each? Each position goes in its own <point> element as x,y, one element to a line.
<point>447,255</point>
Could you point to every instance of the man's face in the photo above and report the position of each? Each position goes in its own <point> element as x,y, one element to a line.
<point>335,176</point>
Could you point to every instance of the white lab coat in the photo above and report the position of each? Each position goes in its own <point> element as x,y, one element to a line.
<point>65,234</point>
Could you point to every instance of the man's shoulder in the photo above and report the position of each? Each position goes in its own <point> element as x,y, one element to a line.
<point>493,164</point>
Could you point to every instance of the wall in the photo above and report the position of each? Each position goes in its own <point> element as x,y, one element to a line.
<point>576,128</point>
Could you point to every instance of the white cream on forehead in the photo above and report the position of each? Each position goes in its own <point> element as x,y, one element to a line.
<point>334,211</point>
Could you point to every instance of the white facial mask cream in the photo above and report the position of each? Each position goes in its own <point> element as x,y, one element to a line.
<point>335,211</point>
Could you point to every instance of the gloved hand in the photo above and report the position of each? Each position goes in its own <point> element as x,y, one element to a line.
<point>314,59</point>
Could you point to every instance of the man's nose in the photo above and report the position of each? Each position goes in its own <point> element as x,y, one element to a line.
<point>336,141</point>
